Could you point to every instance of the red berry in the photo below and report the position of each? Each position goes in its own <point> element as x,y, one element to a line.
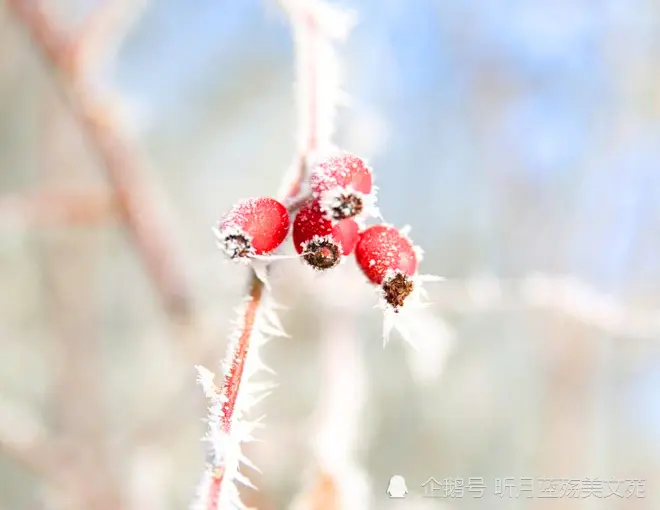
<point>254,226</point>
<point>389,259</point>
<point>341,183</point>
<point>321,241</point>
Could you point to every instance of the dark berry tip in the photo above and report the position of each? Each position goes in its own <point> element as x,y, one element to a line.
<point>236,246</point>
<point>322,254</point>
<point>347,205</point>
<point>396,289</point>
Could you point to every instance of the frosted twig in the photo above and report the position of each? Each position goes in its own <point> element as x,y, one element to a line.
<point>229,402</point>
<point>315,25</point>
<point>135,198</point>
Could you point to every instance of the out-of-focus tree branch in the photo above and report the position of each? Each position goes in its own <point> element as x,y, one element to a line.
<point>564,294</point>
<point>140,210</point>
<point>55,207</point>
<point>70,265</point>
<point>101,34</point>
<point>23,438</point>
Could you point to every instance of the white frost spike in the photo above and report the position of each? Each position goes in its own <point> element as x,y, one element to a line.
<point>205,378</point>
<point>222,244</point>
<point>407,318</point>
<point>260,268</point>
<point>225,441</point>
<point>258,263</point>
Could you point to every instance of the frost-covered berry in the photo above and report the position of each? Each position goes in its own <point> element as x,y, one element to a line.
<point>343,185</point>
<point>389,259</point>
<point>254,226</point>
<point>322,242</point>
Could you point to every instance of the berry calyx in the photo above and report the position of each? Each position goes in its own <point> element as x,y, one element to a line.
<point>322,242</point>
<point>397,288</point>
<point>253,226</point>
<point>388,259</point>
<point>343,185</point>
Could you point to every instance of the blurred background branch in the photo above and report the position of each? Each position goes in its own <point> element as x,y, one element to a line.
<point>142,213</point>
<point>56,207</point>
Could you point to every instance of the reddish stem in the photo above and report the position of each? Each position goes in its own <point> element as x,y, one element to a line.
<point>232,381</point>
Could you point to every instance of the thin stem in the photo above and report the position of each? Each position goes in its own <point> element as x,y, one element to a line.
<point>231,384</point>
<point>232,380</point>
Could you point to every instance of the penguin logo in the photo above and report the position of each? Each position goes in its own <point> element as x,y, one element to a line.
<point>397,487</point>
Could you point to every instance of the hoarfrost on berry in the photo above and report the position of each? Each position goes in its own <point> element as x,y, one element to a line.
<point>253,226</point>
<point>383,248</point>
<point>322,242</point>
<point>343,185</point>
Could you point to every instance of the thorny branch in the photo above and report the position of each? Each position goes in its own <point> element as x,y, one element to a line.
<point>316,101</point>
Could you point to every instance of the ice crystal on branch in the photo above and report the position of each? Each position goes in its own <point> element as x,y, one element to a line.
<point>317,26</point>
<point>229,402</point>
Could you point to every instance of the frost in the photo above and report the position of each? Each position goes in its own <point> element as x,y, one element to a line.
<point>322,252</point>
<point>260,268</point>
<point>317,25</point>
<point>224,236</point>
<point>228,428</point>
<point>405,318</point>
<point>331,199</point>
<point>331,168</point>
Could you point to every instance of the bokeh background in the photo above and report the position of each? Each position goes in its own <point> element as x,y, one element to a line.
<point>521,141</point>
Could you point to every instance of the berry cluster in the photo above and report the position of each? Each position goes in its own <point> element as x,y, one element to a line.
<point>328,227</point>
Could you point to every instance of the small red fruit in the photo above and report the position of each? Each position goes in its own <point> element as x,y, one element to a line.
<point>321,241</point>
<point>343,184</point>
<point>389,259</point>
<point>254,226</point>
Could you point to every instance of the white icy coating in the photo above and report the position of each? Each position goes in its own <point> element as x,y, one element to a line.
<point>333,166</point>
<point>330,199</point>
<point>406,320</point>
<point>221,236</point>
<point>317,239</point>
<point>225,446</point>
<point>258,263</point>
<point>317,27</point>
